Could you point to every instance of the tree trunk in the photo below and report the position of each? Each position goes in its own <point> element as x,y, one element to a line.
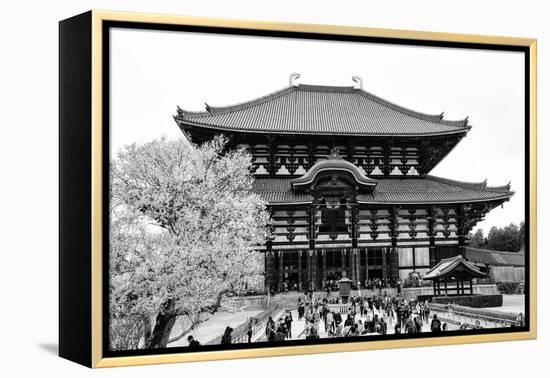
<point>163,327</point>
<point>147,329</point>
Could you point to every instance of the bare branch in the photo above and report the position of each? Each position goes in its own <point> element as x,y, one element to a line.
<point>183,333</point>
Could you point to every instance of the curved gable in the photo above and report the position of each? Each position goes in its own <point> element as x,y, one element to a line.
<point>332,173</point>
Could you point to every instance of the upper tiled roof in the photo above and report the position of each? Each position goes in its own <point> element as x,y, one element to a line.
<point>314,109</point>
<point>495,258</point>
<point>426,189</point>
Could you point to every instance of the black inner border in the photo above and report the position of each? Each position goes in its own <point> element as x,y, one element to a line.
<point>107,25</point>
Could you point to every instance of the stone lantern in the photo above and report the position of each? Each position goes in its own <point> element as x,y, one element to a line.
<point>344,285</point>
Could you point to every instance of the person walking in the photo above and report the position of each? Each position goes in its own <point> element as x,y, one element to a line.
<point>410,326</point>
<point>300,307</point>
<point>436,324</point>
<point>383,325</point>
<point>193,344</point>
<point>312,335</point>
<point>337,318</point>
<point>520,320</point>
<point>330,322</point>
<point>418,324</point>
<point>249,330</point>
<point>426,312</point>
<point>270,329</point>
<point>397,328</point>
<point>281,332</point>
<point>288,324</point>
<point>226,338</point>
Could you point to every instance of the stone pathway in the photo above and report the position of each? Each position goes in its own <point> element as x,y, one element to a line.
<point>213,327</point>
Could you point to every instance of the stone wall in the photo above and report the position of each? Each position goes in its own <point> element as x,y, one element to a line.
<point>424,291</point>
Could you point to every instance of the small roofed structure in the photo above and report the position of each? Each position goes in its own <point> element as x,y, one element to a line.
<point>455,271</point>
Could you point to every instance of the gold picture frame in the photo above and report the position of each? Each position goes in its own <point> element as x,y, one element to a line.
<point>91,25</point>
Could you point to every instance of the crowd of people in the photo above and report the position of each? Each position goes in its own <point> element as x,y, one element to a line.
<point>280,330</point>
<point>331,285</point>
<point>366,315</point>
<point>375,315</point>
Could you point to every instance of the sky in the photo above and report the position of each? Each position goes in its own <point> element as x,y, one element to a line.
<point>153,72</point>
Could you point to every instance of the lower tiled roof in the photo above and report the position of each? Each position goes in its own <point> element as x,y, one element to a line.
<point>495,258</point>
<point>426,189</point>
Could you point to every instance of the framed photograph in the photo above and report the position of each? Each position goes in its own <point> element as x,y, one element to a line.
<point>234,189</point>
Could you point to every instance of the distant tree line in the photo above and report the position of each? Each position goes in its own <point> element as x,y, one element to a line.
<point>509,238</point>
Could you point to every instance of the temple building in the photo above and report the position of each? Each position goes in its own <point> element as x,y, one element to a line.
<point>346,175</point>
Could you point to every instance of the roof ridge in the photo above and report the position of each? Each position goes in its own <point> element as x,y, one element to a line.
<point>211,110</point>
<point>500,188</point>
<point>326,88</point>
<point>463,184</point>
<point>485,250</point>
<point>473,185</point>
<point>436,118</point>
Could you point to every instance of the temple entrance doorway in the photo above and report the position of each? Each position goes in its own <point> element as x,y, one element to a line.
<point>375,274</point>
<point>291,281</point>
<point>331,280</point>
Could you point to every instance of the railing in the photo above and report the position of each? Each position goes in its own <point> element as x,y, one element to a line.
<point>511,287</point>
<point>251,301</point>
<point>466,315</point>
<point>258,327</point>
<point>342,308</point>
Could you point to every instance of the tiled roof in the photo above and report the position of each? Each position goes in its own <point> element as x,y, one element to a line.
<point>447,266</point>
<point>426,189</point>
<point>494,258</point>
<point>314,109</point>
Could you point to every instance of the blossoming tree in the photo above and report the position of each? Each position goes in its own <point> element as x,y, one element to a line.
<point>184,225</point>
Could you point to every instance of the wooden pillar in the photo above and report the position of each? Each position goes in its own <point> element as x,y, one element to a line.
<point>394,231</point>
<point>385,262</point>
<point>343,252</point>
<point>446,293</point>
<point>435,293</point>
<point>324,271</point>
<point>299,269</point>
<point>269,268</point>
<point>471,288</point>
<point>311,251</point>
<point>308,268</point>
<point>358,267</point>
<point>354,236</point>
<point>352,266</point>
<point>432,215</point>
<point>354,225</point>
<point>366,264</point>
<point>313,269</point>
<point>311,225</point>
<point>281,270</point>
